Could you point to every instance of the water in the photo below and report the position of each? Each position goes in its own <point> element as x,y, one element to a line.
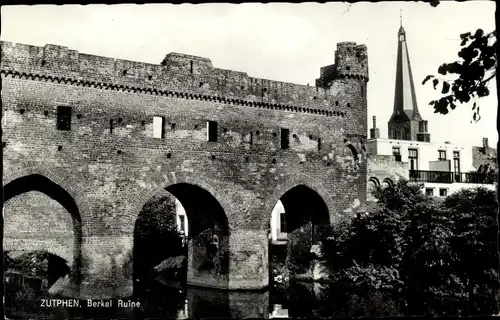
<point>32,300</point>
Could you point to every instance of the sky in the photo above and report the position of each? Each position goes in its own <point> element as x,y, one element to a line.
<point>284,42</point>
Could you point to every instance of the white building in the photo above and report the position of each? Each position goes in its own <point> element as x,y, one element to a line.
<point>442,167</point>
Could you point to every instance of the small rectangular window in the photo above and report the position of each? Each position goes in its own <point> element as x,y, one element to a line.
<point>456,154</point>
<point>211,131</point>
<point>319,144</point>
<point>442,155</point>
<point>63,118</point>
<point>111,126</point>
<point>158,127</point>
<point>396,151</point>
<point>249,138</point>
<point>282,222</point>
<point>285,138</point>
<point>429,191</point>
<point>443,192</point>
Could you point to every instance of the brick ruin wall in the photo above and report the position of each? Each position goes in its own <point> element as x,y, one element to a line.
<point>112,173</point>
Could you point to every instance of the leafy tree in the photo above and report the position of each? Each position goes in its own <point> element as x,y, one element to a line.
<point>473,71</point>
<point>474,247</point>
<point>400,252</point>
<point>156,236</point>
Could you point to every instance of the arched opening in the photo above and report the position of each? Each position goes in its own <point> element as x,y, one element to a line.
<point>373,183</point>
<point>388,182</point>
<point>403,134</point>
<point>394,134</point>
<point>299,220</point>
<point>42,223</point>
<point>181,236</point>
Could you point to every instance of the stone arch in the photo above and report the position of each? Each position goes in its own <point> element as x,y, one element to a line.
<point>57,177</point>
<point>388,181</point>
<point>394,133</point>
<point>375,181</point>
<point>208,240</point>
<point>403,133</point>
<point>171,179</point>
<point>298,179</point>
<point>40,245</point>
<point>30,179</point>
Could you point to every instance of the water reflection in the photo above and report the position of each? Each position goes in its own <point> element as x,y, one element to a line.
<point>24,300</point>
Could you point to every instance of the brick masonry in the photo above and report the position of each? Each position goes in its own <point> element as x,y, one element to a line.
<point>110,174</point>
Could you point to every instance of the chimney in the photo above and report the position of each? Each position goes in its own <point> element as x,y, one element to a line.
<point>374,132</point>
<point>485,144</point>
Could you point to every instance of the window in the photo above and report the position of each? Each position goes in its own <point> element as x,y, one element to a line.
<point>429,191</point>
<point>249,138</point>
<point>413,158</point>
<point>63,118</point>
<point>394,134</point>
<point>403,133</point>
<point>182,223</point>
<point>111,126</point>
<point>442,155</point>
<point>456,166</point>
<point>396,152</point>
<point>285,138</point>
<point>319,144</point>
<point>443,192</point>
<point>158,127</point>
<point>282,222</point>
<point>211,131</point>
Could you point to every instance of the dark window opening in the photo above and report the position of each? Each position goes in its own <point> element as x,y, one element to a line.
<point>274,134</point>
<point>429,191</point>
<point>443,192</point>
<point>212,131</point>
<point>63,118</point>
<point>213,157</point>
<point>274,161</point>
<point>111,126</point>
<point>150,77</point>
<point>413,158</point>
<point>172,126</point>
<point>285,138</point>
<point>46,113</point>
<point>396,152</point>
<point>336,103</point>
<point>169,155</point>
<point>282,222</point>
<point>79,116</point>
<point>257,132</point>
<point>59,148</point>
<point>21,111</point>
<point>348,68</point>
<point>191,66</point>
<point>143,123</point>
<point>442,155</point>
<point>247,159</point>
<point>319,144</point>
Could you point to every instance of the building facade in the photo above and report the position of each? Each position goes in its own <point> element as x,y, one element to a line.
<point>408,152</point>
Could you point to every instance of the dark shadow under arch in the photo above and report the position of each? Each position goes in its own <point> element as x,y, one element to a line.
<point>40,183</point>
<point>207,242</point>
<point>307,222</point>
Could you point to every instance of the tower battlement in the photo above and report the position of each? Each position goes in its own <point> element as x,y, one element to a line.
<point>351,61</point>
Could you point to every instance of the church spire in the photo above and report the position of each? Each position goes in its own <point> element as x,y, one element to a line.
<point>405,119</point>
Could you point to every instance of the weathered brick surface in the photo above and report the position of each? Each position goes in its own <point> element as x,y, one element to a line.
<point>111,175</point>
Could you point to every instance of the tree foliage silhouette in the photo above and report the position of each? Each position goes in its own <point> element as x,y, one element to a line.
<point>472,73</point>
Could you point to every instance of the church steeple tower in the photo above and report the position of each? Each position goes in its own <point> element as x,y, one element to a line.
<point>405,122</point>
